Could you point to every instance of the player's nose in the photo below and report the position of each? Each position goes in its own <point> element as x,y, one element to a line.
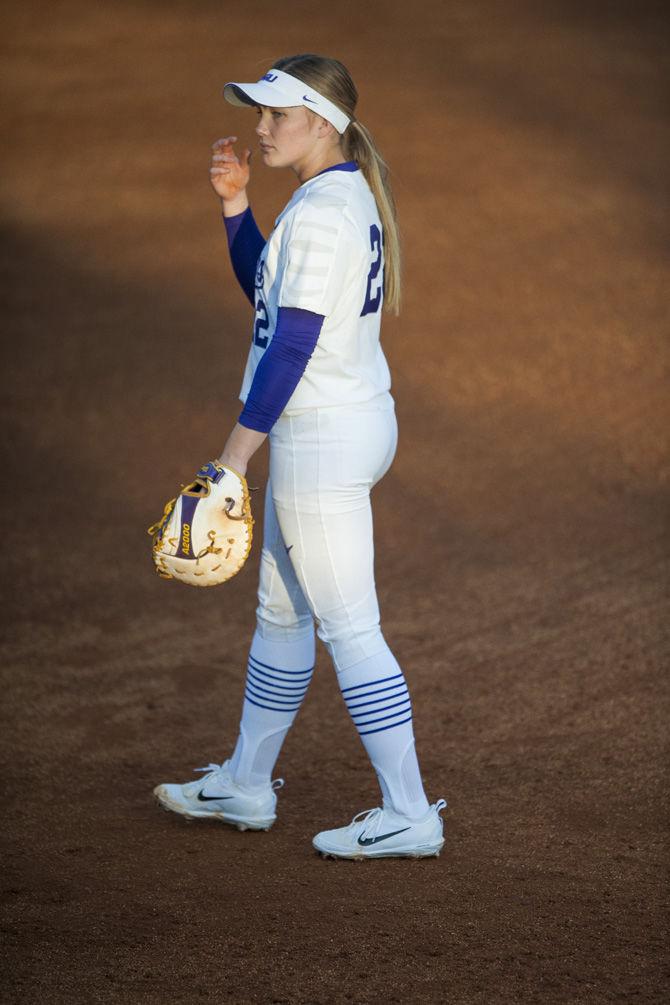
<point>263,122</point>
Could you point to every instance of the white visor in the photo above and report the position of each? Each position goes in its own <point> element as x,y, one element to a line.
<point>280,90</point>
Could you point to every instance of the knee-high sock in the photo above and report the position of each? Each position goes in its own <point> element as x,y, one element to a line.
<point>375,692</point>
<point>278,675</point>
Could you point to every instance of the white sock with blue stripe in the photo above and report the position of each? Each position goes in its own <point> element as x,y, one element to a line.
<point>375,692</point>
<point>278,675</point>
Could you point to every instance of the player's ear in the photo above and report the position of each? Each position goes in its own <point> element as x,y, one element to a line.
<point>325,128</point>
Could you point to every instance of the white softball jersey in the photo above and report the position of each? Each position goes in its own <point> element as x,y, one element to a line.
<point>325,255</point>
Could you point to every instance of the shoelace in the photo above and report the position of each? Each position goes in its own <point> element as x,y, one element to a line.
<point>277,783</point>
<point>372,819</point>
<point>211,767</point>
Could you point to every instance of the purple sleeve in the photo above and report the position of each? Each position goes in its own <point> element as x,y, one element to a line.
<point>281,367</point>
<point>245,243</point>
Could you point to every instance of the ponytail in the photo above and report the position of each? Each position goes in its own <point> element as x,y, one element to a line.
<point>332,79</point>
<point>359,146</point>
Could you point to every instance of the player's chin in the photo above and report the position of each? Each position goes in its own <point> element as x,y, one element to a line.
<point>272,158</point>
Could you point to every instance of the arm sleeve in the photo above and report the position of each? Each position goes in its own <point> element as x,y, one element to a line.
<point>281,367</point>
<point>245,243</point>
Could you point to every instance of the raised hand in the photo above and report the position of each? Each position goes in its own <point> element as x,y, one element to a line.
<point>229,174</point>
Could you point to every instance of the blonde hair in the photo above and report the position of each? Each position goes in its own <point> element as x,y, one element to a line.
<point>332,79</point>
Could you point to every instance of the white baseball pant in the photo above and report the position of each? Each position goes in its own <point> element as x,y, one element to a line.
<point>317,559</point>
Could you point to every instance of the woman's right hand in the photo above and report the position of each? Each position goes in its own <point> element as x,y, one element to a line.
<point>229,174</point>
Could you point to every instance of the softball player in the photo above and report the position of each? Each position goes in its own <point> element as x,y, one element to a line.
<point>317,383</point>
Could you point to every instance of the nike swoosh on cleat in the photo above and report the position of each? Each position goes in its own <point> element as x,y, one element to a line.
<point>206,799</point>
<point>382,837</point>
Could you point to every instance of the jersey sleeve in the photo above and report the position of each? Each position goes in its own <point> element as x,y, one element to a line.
<point>316,256</point>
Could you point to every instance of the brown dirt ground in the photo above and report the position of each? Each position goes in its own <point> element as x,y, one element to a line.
<point>520,533</point>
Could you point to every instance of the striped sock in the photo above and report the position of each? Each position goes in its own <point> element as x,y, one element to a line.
<point>376,695</point>
<point>278,675</point>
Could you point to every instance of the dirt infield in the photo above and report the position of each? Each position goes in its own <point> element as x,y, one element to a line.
<point>521,534</point>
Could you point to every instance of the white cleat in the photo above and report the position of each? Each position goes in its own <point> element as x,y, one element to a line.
<point>215,796</point>
<point>381,833</point>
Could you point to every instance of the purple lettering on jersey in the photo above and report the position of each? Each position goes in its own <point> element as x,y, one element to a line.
<point>373,302</point>
<point>261,324</point>
<point>258,282</point>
